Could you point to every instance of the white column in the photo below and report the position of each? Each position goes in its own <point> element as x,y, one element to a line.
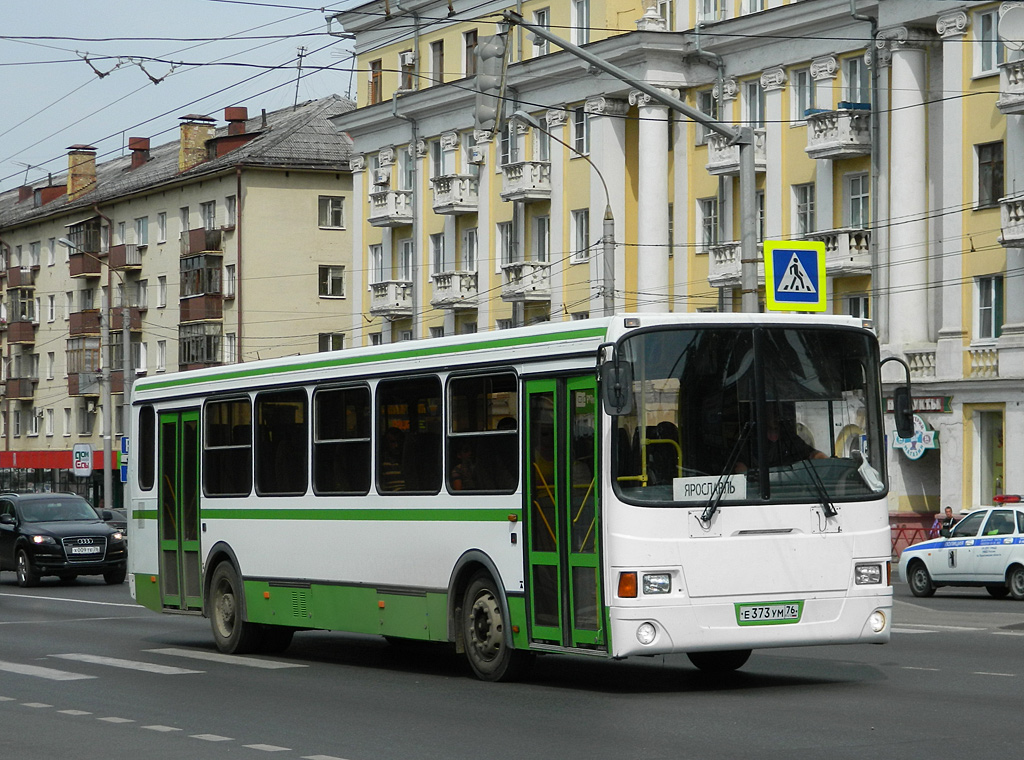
<point>557,118</point>
<point>608,152</point>
<point>652,204</point>
<point>487,290</point>
<point>949,352</point>
<point>359,276</point>
<point>908,231</point>
<point>773,82</point>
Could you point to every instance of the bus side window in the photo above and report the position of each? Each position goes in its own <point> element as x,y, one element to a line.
<point>341,441</point>
<point>482,441</point>
<point>146,448</point>
<point>227,456</point>
<point>281,443</point>
<point>409,409</point>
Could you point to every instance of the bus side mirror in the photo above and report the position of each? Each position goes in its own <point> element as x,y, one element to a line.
<point>617,388</point>
<point>903,411</point>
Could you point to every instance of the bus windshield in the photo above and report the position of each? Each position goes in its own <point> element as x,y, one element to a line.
<point>750,414</point>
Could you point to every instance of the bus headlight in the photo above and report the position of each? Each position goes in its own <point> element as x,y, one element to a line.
<point>658,583</point>
<point>877,621</point>
<point>646,633</point>
<point>867,575</point>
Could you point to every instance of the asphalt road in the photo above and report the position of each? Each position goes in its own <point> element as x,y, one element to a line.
<point>85,673</point>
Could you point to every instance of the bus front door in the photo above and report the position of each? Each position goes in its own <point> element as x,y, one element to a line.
<point>562,514</point>
<point>180,561</point>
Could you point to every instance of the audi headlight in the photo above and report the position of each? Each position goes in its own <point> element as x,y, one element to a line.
<point>867,575</point>
<point>119,536</point>
<point>43,540</point>
<point>657,583</point>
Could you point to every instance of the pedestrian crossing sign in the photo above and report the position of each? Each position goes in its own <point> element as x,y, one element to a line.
<point>794,275</point>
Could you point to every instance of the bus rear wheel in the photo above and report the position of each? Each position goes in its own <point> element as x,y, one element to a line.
<point>232,634</point>
<point>719,662</point>
<point>483,631</point>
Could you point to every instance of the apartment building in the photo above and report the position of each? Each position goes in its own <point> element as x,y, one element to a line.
<point>227,244</point>
<point>891,131</point>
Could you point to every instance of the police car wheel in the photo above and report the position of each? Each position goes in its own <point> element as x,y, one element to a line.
<point>920,581</point>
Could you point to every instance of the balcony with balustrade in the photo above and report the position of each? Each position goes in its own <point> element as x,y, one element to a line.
<point>21,277</point>
<point>526,282</point>
<point>724,157</point>
<point>84,322</point>
<point>847,251</point>
<point>1011,215</point>
<point>724,265</point>
<point>20,388</point>
<point>526,181</point>
<point>454,290</point>
<point>84,264</point>
<point>1011,87</point>
<point>391,298</point>
<point>391,208</point>
<point>839,134</point>
<point>127,256</point>
<point>455,194</point>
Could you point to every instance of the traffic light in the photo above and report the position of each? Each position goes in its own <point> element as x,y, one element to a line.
<point>490,80</point>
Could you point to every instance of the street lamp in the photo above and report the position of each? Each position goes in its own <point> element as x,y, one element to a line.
<point>126,364</point>
<point>608,230</point>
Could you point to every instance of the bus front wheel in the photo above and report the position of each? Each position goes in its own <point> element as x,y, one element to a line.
<point>483,630</point>
<point>719,662</point>
<point>232,634</point>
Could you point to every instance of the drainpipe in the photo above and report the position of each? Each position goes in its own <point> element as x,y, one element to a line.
<point>238,261</point>
<point>415,263</point>
<point>7,401</point>
<point>879,274</point>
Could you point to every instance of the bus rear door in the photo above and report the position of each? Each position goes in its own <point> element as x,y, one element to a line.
<point>562,514</point>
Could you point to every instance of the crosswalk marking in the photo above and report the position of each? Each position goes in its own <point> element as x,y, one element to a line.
<point>267,748</point>
<point>41,672</point>
<point>115,662</point>
<point>211,738</point>
<point>113,719</point>
<point>230,659</point>
<point>161,729</point>
<point>76,713</point>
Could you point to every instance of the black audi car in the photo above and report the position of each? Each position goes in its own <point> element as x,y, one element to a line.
<point>58,534</point>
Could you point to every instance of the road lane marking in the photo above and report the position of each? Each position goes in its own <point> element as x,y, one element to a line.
<point>161,729</point>
<point>266,748</point>
<point>35,705</point>
<point>322,757</point>
<point>114,662</point>
<point>71,620</point>
<point>76,713</point>
<point>941,627</point>
<point>908,630</point>
<point>230,659</point>
<point>76,601</point>
<point>113,719</point>
<point>1001,675</point>
<point>211,738</point>
<point>40,672</point>
<point>911,667</point>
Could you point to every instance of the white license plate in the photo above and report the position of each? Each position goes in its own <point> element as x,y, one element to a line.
<point>770,613</point>
<point>86,549</point>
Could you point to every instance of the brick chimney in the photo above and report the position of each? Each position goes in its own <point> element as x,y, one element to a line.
<point>236,117</point>
<point>139,147</point>
<point>81,170</point>
<point>25,192</point>
<point>195,131</point>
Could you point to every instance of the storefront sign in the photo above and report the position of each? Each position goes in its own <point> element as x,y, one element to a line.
<point>934,404</point>
<point>915,446</point>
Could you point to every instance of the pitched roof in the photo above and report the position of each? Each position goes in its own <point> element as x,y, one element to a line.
<point>291,138</point>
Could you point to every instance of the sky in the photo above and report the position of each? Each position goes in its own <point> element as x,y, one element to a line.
<point>101,71</point>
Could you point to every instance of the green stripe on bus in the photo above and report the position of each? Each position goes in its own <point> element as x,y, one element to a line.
<point>393,515</point>
<point>237,374</point>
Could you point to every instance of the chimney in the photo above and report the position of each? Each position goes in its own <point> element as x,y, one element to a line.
<point>195,131</point>
<point>81,170</point>
<point>139,147</point>
<point>25,192</point>
<point>236,117</point>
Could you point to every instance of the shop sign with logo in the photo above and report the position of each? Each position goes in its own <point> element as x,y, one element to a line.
<point>915,446</point>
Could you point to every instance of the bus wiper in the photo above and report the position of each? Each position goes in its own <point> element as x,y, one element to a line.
<point>716,494</point>
<point>819,488</point>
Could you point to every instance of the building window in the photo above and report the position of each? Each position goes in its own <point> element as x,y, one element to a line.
<point>208,211</point>
<point>580,22</point>
<point>51,252</point>
<point>377,263</point>
<point>375,91</point>
<point>541,18</point>
<point>51,308</point>
<point>858,201</point>
<point>754,104</point>
<point>407,63</point>
<point>199,343</point>
<point>803,201</point>
<point>707,209</point>
<point>331,341</point>
<point>507,144</point>
<point>437,332</point>
<point>51,361</point>
<point>49,423</point>
<point>989,51</point>
<point>161,356</point>
<point>759,197</point>
<point>506,243</point>
<point>142,230</point>
<point>122,233</point>
<point>542,141</point>
<point>405,261</point>
<point>541,238</point>
<point>503,324</point>
<point>161,227</point>
<point>437,253</point>
<point>989,312</point>
<point>436,159</point>
<point>183,218</point>
<point>803,93</point>
<point>376,339</point>
<point>580,131</point>
<point>332,282</point>
<point>469,40</point>
<point>67,421</point>
<point>332,211</point>
<point>230,348</point>
<point>230,281</point>
<point>858,80</point>
<point>437,61</point>
<point>140,357</point>
<point>470,241</point>
<point>230,210</point>
<point>161,291</point>
<point>706,104</point>
<point>709,10</point>
<point>990,174</point>
<point>754,6</point>
<point>580,235</point>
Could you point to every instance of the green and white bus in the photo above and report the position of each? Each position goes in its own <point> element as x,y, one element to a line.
<point>613,487</point>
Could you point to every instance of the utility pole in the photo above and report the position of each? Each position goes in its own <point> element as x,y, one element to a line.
<point>743,136</point>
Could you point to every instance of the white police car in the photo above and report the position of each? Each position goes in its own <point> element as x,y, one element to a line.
<point>986,548</point>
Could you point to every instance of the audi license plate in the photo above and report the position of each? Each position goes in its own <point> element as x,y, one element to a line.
<point>86,549</point>
<point>769,613</point>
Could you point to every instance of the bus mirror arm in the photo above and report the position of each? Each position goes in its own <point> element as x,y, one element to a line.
<point>616,383</point>
<point>902,404</point>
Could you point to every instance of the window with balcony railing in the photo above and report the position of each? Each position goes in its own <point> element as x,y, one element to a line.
<point>200,275</point>
<point>199,343</point>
